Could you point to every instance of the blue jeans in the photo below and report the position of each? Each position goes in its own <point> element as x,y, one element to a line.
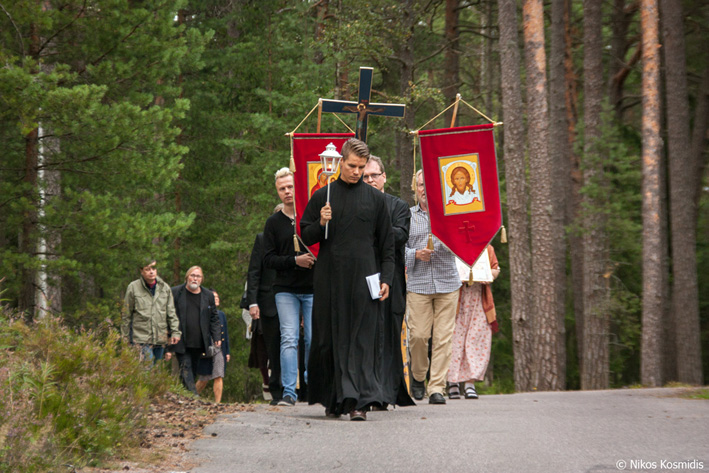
<point>290,307</point>
<point>151,352</point>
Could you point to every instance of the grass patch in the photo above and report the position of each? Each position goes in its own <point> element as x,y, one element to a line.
<point>70,397</point>
<point>696,393</point>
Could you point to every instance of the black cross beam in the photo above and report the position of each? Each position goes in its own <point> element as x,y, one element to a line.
<point>362,107</point>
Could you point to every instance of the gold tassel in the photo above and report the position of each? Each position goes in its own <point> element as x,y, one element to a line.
<point>295,243</point>
<point>503,235</point>
<point>470,279</point>
<point>292,159</point>
<point>430,242</point>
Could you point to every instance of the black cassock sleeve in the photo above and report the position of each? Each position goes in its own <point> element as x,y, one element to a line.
<point>400,222</point>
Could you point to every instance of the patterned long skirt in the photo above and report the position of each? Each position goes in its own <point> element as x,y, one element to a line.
<point>472,338</point>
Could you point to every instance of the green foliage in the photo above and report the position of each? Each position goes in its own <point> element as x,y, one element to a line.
<point>70,398</point>
<point>164,122</point>
<point>99,84</point>
<point>703,276</point>
<point>616,193</point>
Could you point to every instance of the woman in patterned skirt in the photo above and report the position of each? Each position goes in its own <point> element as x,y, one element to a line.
<point>474,325</point>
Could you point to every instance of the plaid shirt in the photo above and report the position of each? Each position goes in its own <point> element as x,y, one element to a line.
<point>438,276</point>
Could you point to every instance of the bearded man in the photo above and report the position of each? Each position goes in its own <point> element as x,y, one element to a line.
<point>199,324</point>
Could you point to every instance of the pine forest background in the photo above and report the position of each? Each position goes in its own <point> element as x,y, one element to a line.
<point>153,127</point>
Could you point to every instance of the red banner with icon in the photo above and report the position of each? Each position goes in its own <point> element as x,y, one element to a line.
<point>308,176</point>
<point>462,187</point>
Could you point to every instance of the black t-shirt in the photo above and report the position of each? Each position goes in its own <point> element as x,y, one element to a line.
<point>193,332</point>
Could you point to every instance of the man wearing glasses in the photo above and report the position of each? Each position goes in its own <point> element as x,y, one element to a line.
<point>394,385</point>
<point>199,324</point>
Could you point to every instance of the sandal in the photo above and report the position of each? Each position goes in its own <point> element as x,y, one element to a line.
<point>470,392</point>
<point>454,391</point>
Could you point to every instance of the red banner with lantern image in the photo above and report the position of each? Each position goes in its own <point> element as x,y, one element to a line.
<point>308,176</point>
<point>462,187</point>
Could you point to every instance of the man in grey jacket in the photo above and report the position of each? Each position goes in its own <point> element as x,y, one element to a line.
<point>148,318</point>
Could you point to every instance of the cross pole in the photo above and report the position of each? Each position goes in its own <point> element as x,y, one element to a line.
<point>362,107</point>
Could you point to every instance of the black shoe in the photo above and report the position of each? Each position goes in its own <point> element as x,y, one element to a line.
<point>417,389</point>
<point>436,398</point>
<point>274,402</point>
<point>358,415</point>
<point>287,401</point>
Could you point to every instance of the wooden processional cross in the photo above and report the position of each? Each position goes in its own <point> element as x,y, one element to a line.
<point>362,107</point>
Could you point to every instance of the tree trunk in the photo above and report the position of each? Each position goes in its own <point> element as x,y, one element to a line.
<point>596,293</point>
<point>28,229</point>
<point>559,147</point>
<point>321,12</point>
<point>667,342</point>
<point>549,348</point>
<point>486,63</point>
<point>685,295</point>
<point>618,68</point>
<point>515,179</point>
<point>572,197</point>
<point>404,146</point>
<point>48,288</point>
<point>699,138</point>
<point>650,357</point>
<point>451,68</point>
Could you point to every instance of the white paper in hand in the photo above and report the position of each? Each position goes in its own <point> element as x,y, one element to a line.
<point>374,286</point>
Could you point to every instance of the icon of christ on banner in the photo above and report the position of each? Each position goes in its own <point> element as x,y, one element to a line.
<point>461,184</point>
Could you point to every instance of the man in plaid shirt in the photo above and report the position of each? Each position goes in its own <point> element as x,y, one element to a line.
<point>432,299</point>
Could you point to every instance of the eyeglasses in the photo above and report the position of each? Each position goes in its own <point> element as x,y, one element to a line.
<point>371,177</point>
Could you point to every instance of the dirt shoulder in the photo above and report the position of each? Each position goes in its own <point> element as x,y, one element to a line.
<point>173,423</point>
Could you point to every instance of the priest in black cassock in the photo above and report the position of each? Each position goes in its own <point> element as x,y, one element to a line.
<point>344,368</point>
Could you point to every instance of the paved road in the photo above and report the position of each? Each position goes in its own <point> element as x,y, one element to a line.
<point>593,431</point>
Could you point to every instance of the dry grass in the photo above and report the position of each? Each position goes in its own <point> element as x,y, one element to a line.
<point>173,422</point>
